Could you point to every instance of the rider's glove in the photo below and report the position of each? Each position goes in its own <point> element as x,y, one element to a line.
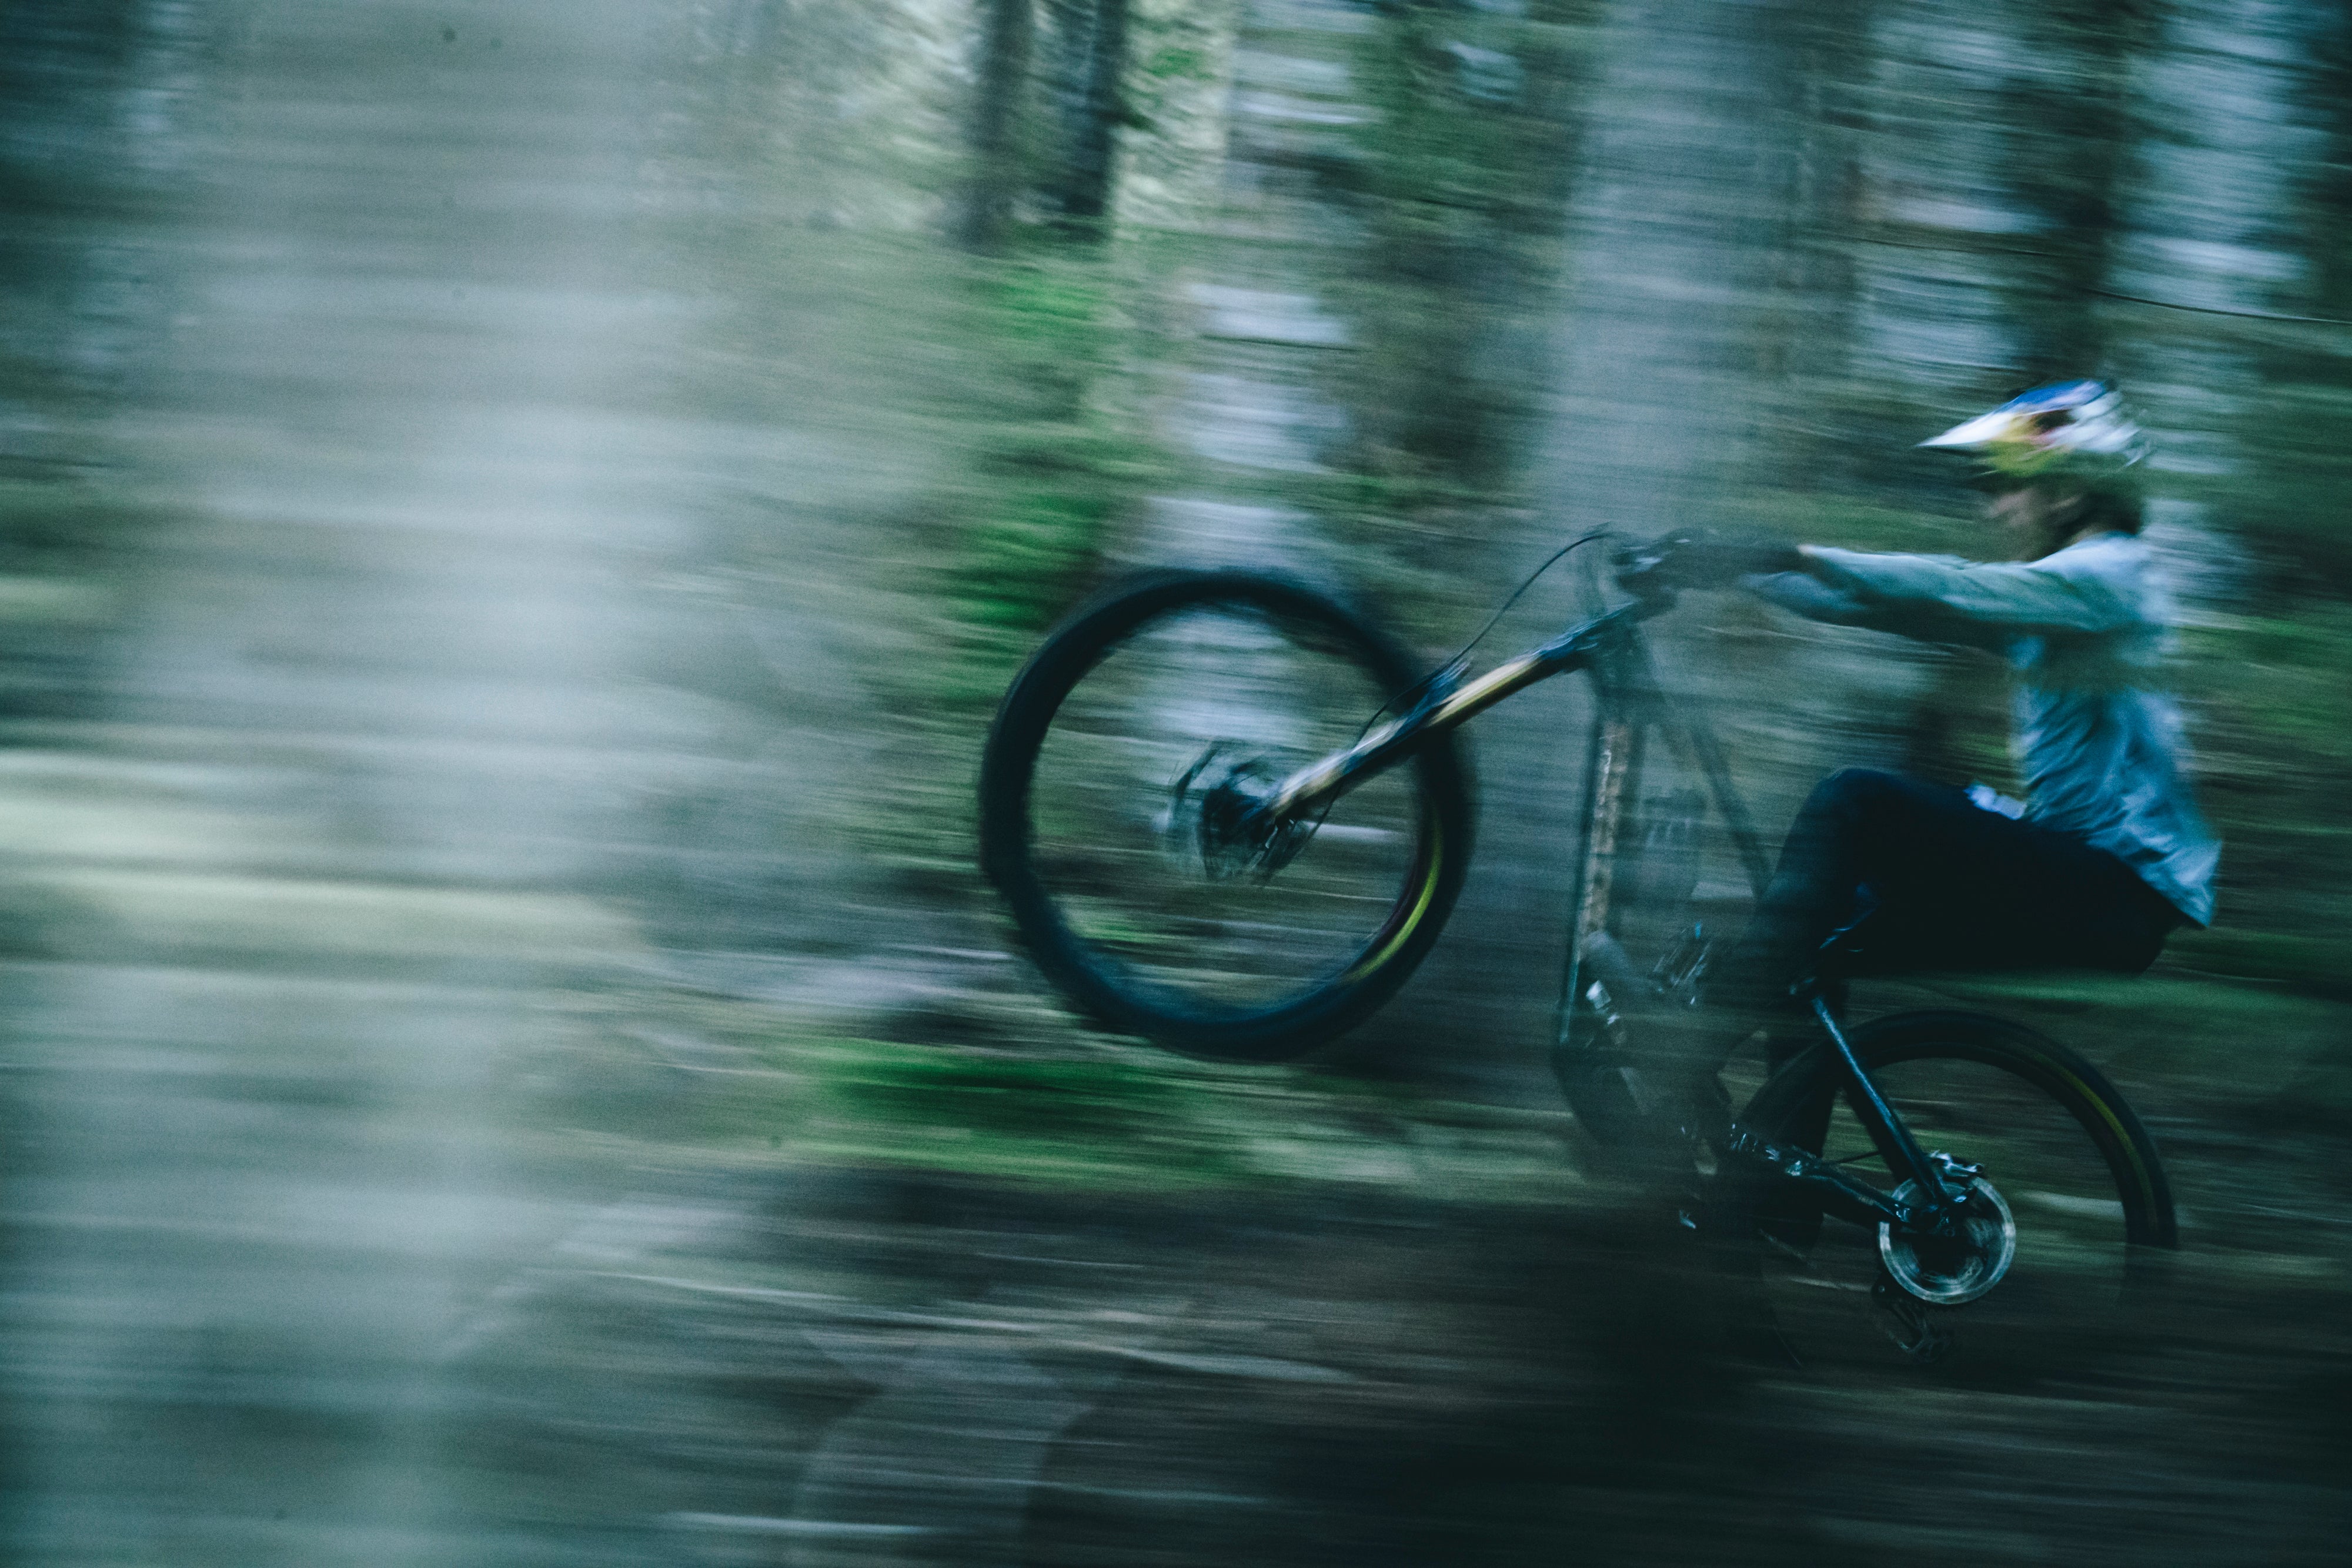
<point>1760,557</point>
<point>1719,561</point>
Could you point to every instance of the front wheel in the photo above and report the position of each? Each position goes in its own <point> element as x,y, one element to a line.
<point>1110,781</point>
<point>2068,1173</point>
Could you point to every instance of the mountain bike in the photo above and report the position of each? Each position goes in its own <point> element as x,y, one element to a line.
<point>1228,817</point>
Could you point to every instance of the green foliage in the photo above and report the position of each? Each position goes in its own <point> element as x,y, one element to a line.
<point>962,1108</point>
<point>1055,460</point>
<point>2316,966</point>
<point>2272,701</point>
<point>1110,1119</point>
<point>1476,121</point>
<point>1854,522</point>
<point>1178,64</point>
<point>2288,500</point>
<point>1049,458</point>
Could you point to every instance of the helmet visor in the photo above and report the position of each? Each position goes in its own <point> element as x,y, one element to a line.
<point>2076,428</point>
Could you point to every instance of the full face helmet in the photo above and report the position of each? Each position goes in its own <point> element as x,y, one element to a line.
<point>2070,430</point>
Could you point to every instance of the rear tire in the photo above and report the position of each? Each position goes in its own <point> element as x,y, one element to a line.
<point>2092,1205</point>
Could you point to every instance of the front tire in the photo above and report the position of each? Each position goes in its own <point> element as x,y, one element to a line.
<point>1081,792</point>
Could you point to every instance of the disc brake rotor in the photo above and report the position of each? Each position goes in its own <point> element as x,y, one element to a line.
<point>1212,811</point>
<point>1961,1265</point>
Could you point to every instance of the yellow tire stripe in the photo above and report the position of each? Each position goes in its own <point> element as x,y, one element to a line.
<point>2115,1124</point>
<point>1387,950</point>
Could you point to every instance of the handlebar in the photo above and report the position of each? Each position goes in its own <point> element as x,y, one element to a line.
<point>1654,571</point>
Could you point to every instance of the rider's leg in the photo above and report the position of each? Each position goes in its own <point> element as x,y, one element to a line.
<point>1954,886</point>
<point>1852,819</point>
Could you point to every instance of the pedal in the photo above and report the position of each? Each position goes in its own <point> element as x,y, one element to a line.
<point>1910,1322</point>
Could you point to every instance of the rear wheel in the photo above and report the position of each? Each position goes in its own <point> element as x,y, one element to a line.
<point>2063,1158</point>
<point>1107,797</point>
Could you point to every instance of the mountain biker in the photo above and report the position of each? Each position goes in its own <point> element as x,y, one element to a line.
<point>2111,854</point>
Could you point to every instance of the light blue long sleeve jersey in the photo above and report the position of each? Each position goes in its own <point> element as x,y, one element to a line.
<point>2086,628</point>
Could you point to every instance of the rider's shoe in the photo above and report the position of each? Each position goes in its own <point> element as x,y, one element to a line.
<point>1679,1139</point>
<point>1697,1111</point>
<point>1611,1098</point>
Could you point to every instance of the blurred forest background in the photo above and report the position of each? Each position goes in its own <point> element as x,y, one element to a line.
<point>517,512</point>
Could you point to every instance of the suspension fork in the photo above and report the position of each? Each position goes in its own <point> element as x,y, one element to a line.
<point>1453,702</point>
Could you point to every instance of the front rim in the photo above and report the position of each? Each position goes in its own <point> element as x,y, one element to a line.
<point>1108,871</point>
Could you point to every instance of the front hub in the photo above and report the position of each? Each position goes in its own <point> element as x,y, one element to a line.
<point>1219,805</point>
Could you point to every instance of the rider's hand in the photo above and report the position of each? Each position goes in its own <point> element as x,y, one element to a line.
<point>1719,561</point>
<point>1752,557</point>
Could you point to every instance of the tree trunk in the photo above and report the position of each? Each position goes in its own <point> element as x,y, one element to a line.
<point>1091,175</point>
<point>2069,126</point>
<point>997,122</point>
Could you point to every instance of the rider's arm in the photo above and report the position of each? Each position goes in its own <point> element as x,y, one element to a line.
<point>1810,597</point>
<point>2074,591</point>
<point>1818,599</point>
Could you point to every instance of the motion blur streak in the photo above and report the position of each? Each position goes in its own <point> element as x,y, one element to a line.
<point>517,512</point>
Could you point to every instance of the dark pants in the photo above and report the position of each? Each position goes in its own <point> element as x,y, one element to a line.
<point>1936,883</point>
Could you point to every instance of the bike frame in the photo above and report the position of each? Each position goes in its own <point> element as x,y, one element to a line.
<point>1629,704</point>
